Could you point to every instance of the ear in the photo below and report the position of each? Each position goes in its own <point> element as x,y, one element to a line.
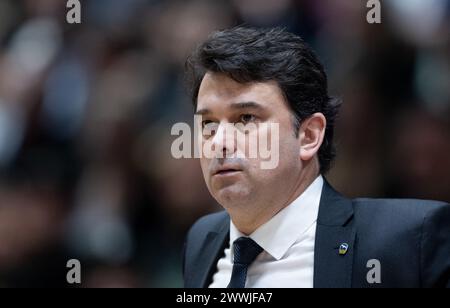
<point>312,132</point>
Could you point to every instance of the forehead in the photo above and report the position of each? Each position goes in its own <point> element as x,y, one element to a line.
<point>219,90</point>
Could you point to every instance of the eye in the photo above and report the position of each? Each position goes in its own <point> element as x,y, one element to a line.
<point>247,118</point>
<point>209,128</point>
<point>205,123</point>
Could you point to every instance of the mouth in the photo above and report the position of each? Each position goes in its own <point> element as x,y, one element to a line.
<point>226,171</point>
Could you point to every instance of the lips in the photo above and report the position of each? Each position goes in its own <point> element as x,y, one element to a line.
<point>226,170</point>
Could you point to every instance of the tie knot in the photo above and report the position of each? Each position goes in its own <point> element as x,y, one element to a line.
<point>245,250</point>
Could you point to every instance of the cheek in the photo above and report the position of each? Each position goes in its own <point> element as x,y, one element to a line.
<point>259,143</point>
<point>204,164</point>
<point>247,145</point>
<point>271,146</point>
<point>290,152</point>
<point>287,170</point>
<point>288,159</point>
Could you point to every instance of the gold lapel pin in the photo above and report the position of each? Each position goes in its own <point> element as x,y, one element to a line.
<point>343,249</point>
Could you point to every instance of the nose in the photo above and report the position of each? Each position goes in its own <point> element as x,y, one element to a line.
<point>224,140</point>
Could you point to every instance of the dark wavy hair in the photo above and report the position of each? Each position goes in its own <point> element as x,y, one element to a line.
<point>261,55</point>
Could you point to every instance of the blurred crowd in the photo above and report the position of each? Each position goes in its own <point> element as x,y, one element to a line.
<point>86,110</point>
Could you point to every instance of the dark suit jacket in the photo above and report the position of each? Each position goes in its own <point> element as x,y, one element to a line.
<point>410,238</point>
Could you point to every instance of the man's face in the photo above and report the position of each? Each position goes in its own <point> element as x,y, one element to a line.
<point>235,178</point>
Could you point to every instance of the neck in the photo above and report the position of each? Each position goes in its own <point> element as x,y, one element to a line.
<point>247,220</point>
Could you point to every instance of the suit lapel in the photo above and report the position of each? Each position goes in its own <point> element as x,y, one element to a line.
<point>333,269</point>
<point>213,248</point>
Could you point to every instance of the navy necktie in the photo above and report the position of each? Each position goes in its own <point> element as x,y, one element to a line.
<point>245,252</point>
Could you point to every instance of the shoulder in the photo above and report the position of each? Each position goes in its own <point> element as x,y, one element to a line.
<point>209,223</point>
<point>405,234</point>
<point>404,209</point>
<point>400,216</point>
<point>194,249</point>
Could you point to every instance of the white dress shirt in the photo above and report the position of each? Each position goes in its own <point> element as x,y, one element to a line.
<point>288,241</point>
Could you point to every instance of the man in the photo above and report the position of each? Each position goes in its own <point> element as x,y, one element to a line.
<point>286,226</point>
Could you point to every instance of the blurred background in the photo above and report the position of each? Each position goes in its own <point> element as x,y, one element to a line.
<point>86,111</point>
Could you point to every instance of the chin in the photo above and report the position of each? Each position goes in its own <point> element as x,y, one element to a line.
<point>232,196</point>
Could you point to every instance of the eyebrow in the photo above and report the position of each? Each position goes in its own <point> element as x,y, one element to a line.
<point>246,105</point>
<point>241,105</point>
<point>203,111</point>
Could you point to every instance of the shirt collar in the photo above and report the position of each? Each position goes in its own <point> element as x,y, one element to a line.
<point>281,232</point>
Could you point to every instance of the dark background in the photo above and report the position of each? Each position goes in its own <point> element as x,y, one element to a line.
<point>86,111</point>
